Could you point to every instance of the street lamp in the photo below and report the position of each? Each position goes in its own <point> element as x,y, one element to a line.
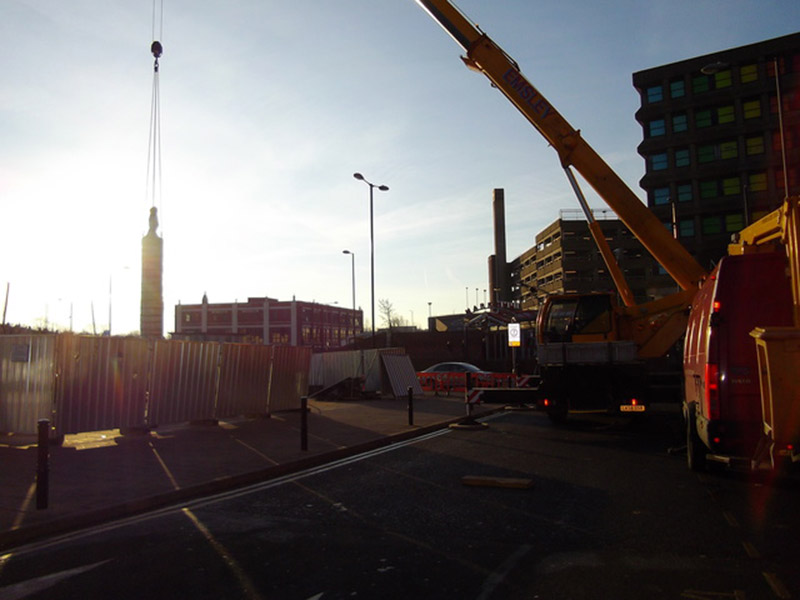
<point>353,268</point>
<point>382,188</point>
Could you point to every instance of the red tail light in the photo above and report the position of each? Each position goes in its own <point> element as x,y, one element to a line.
<point>711,396</point>
<point>546,402</point>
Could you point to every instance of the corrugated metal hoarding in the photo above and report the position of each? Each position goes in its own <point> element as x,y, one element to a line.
<point>331,367</point>
<point>101,383</point>
<point>89,383</point>
<point>183,381</point>
<point>401,375</point>
<point>289,377</point>
<point>27,381</point>
<point>244,380</point>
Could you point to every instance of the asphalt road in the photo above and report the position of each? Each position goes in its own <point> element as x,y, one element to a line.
<point>610,513</point>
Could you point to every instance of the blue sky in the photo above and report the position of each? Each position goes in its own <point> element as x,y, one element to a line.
<point>268,108</point>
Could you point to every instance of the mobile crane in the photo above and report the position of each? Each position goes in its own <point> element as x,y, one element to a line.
<point>592,353</point>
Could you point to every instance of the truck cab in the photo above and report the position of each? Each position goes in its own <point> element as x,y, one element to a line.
<point>722,402</point>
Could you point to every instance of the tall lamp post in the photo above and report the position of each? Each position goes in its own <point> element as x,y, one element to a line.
<point>353,270</point>
<point>382,188</point>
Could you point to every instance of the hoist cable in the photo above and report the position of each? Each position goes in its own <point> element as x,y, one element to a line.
<point>160,19</point>
<point>153,178</point>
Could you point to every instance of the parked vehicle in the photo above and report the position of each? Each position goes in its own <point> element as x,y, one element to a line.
<point>721,374</point>
<point>453,367</point>
<point>447,377</point>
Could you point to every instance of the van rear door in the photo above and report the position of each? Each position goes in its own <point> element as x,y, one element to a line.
<point>751,290</point>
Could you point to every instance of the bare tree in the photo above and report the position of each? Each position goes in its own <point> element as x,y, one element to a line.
<point>389,318</point>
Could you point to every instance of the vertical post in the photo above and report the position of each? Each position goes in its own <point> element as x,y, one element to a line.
<point>43,464</point>
<point>304,423</point>
<point>467,390</point>
<point>410,406</point>
<point>372,264</point>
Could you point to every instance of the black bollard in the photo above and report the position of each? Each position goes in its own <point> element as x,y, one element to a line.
<point>304,423</point>
<point>43,464</point>
<point>410,406</point>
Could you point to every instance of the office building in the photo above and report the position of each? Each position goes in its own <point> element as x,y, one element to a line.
<point>721,142</point>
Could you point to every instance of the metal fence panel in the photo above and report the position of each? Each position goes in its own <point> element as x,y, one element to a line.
<point>183,381</point>
<point>401,374</point>
<point>289,377</point>
<point>329,368</point>
<point>101,383</point>
<point>243,380</point>
<point>27,379</point>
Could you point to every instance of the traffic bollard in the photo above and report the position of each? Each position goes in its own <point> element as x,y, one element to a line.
<point>43,464</point>
<point>304,423</point>
<point>410,406</point>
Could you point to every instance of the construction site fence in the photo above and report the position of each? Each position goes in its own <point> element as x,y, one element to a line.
<point>453,382</point>
<point>90,383</point>
<point>329,368</point>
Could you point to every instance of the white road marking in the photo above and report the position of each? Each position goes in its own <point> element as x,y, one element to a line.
<point>23,589</point>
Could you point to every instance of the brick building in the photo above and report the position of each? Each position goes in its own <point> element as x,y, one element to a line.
<point>269,321</point>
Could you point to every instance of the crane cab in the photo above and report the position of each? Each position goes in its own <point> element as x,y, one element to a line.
<point>578,318</point>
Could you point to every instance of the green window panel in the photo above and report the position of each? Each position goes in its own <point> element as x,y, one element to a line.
<point>712,225</point>
<point>748,73</point>
<point>677,89</point>
<point>702,118</point>
<point>725,115</point>
<point>654,94</point>
<point>701,84</point>
<point>686,228</point>
<point>658,162</point>
<point>680,123</point>
<point>754,145</point>
<point>734,223</point>
<point>709,189</point>
<point>723,79</point>
<point>731,186</point>
<point>685,192</point>
<point>706,153</point>
<point>682,157</point>
<point>751,109</point>
<point>658,127</point>
<point>728,150</point>
<point>757,182</point>
<point>661,196</point>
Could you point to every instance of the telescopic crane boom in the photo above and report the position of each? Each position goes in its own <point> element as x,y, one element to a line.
<point>486,57</point>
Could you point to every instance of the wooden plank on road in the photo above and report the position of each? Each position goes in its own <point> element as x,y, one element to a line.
<point>504,482</point>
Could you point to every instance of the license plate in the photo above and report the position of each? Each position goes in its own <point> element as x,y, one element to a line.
<point>632,408</point>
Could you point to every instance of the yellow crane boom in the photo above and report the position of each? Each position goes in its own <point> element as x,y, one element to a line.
<point>484,56</point>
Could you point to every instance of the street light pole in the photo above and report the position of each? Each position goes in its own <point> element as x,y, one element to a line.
<point>382,188</point>
<point>353,270</point>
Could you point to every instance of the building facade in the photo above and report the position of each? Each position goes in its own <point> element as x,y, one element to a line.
<point>721,142</point>
<point>269,321</point>
<point>565,259</point>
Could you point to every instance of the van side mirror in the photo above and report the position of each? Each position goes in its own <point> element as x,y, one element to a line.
<point>715,320</point>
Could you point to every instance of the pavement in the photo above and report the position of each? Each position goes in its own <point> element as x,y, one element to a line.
<point>101,476</point>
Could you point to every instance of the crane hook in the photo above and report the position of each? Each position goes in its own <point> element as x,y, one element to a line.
<point>156,48</point>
